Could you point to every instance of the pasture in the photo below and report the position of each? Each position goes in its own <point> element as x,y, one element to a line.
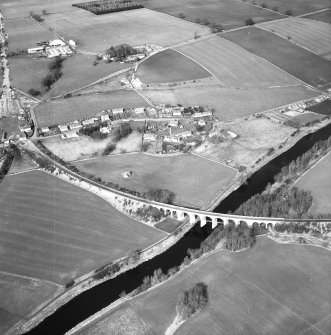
<point>293,59</point>
<point>25,33</point>
<point>96,33</point>
<point>269,289</point>
<point>194,180</point>
<point>312,35</point>
<point>255,138</point>
<point>230,103</point>
<point>78,71</point>
<point>55,112</point>
<point>169,66</point>
<point>12,9</point>
<point>304,119</point>
<point>234,66</point>
<point>322,16</point>
<point>228,13</point>
<point>53,230</point>
<point>318,181</point>
<point>19,296</point>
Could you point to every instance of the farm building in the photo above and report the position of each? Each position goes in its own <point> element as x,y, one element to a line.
<point>45,130</point>
<point>35,50</point>
<point>63,128</point>
<point>134,58</point>
<point>117,111</point>
<point>149,137</point>
<point>105,130</point>
<point>75,125</point>
<point>69,134</point>
<point>203,114</point>
<point>176,113</point>
<point>173,123</point>
<point>139,110</point>
<point>72,44</point>
<point>201,123</point>
<point>56,43</point>
<point>104,118</point>
<point>88,122</point>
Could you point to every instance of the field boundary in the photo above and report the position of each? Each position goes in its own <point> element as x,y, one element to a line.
<point>316,12</point>
<point>267,9</point>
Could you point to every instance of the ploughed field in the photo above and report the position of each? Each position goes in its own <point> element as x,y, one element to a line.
<point>230,103</point>
<point>52,230</point>
<point>312,35</point>
<point>318,181</point>
<point>169,66</point>
<point>228,13</point>
<point>55,112</point>
<point>270,289</point>
<point>96,33</point>
<point>194,180</point>
<point>299,62</point>
<point>234,66</point>
<point>322,16</point>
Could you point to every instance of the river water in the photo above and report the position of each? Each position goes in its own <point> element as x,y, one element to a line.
<point>98,297</point>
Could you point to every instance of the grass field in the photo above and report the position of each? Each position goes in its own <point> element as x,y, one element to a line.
<point>322,16</point>
<point>169,66</point>
<point>79,71</point>
<point>230,103</point>
<point>304,119</point>
<point>297,61</point>
<point>96,33</point>
<point>65,110</point>
<point>21,8</point>
<point>234,66</point>
<point>27,72</point>
<point>230,14</point>
<point>323,107</point>
<point>194,180</point>
<point>25,33</point>
<point>19,296</point>
<point>21,164</point>
<point>312,35</point>
<point>318,180</point>
<point>168,225</point>
<point>53,230</point>
<point>270,289</point>
<point>255,138</point>
<point>297,7</point>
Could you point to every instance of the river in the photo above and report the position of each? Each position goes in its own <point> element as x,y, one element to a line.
<point>98,297</point>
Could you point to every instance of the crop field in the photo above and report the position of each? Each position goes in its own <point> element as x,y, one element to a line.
<point>322,16</point>
<point>228,102</point>
<point>312,35</point>
<point>323,107</point>
<point>318,181</point>
<point>27,72</point>
<point>194,180</point>
<point>230,14</point>
<point>25,33</point>
<point>234,66</point>
<point>96,33</point>
<point>19,296</point>
<point>297,7</point>
<point>295,60</point>
<point>255,138</point>
<point>12,9</point>
<point>65,110</point>
<point>79,71</point>
<point>53,230</point>
<point>270,289</point>
<point>304,119</point>
<point>169,66</point>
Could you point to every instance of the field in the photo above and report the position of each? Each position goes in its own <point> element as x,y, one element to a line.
<point>19,296</point>
<point>322,16</point>
<point>12,9</point>
<point>169,66</point>
<point>255,138</point>
<point>194,180</point>
<point>53,230</point>
<point>230,103</point>
<point>21,164</point>
<point>27,72</point>
<point>230,14</point>
<point>65,110</point>
<point>270,289</point>
<point>168,225</point>
<point>79,71</point>
<point>312,35</point>
<point>318,180</point>
<point>304,119</point>
<point>297,7</point>
<point>234,66</point>
<point>25,33</point>
<point>323,107</point>
<point>96,33</point>
<point>297,61</point>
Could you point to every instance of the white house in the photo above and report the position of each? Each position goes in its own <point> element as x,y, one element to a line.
<point>75,126</point>
<point>104,118</point>
<point>173,123</point>
<point>117,111</point>
<point>176,113</point>
<point>63,128</point>
<point>149,137</point>
<point>72,44</point>
<point>139,110</point>
<point>69,134</point>
<point>45,130</point>
<point>56,43</point>
<point>105,130</point>
<point>88,122</point>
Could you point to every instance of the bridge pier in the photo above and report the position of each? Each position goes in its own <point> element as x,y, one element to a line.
<point>203,221</point>
<point>213,222</point>
<point>180,215</point>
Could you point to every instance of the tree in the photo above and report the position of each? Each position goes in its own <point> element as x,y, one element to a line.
<point>44,11</point>
<point>205,22</point>
<point>181,16</point>
<point>288,12</point>
<point>275,9</point>
<point>264,5</point>
<point>196,35</point>
<point>249,22</point>
<point>197,20</point>
<point>34,92</point>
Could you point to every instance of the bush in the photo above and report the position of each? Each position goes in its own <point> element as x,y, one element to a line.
<point>249,22</point>
<point>288,12</point>
<point>69,283</point>
<point>181,16</point>
<point>34,92</point>
<point>109,149</point>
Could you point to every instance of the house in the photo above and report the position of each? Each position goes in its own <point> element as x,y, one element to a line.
<point>172,139</point>
<point>105,130</point>
<point>117,111</point>
<point>75,126</point>
<point>203,114</point>
<point>56,43</point>
<point>45,130</point>
<point>139,110</point>
<point>72,44</point>
<point>176,113</point>
<point>63,128</point>
<point>69,134</point>
<point>149,137</point>
<point>231,134</point>
<point>186,134</point>
<point>104,118</point>
<point>88,122</point>
<point>173,123</point>
<point>151,111</point>
<point>201,123</point>
<point>35,50</point>
<point>26,128</point>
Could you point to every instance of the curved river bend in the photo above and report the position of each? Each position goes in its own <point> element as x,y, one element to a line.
<point>98,297</point>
